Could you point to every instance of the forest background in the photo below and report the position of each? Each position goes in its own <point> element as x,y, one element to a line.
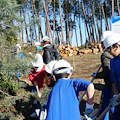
<point>73,22</point>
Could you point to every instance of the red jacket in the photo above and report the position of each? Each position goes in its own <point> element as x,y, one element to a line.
<point>38,76</point>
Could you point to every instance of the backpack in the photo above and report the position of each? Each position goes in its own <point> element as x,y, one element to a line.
<point>55,54</point>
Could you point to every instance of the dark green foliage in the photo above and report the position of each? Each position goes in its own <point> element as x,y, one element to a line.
<point>43,99</point>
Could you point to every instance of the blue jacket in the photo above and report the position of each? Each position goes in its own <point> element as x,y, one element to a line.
<point>62,103</point>
<point>115,71</point>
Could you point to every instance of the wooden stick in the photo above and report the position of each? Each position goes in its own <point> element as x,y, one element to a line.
<point>90,81</point>
<point>94,112</point>
<point>107,109</point>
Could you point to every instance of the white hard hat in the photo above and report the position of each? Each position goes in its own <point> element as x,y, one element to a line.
<point>37,43</point>
<point>105,34</point>
<point>62,66</point>
<point>18,46</point>
<point>49,66</point>
<point>39,61</point>
<point>111,39</point>
<point>45,38</point>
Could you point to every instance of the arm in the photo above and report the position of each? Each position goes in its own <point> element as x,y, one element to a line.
<point>90,93</point>
<point>37,88</point>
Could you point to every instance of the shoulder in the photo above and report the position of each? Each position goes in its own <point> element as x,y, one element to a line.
<point>107,54</point>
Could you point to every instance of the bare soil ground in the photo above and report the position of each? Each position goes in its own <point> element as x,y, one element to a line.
<point>84,66</point>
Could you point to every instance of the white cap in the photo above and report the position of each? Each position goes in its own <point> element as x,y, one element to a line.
<point>111,39</point>
<point>45,38</point>
<point>37,43</point>
<point>105,34</point>
<point>39,62</point>
<point>18,46</point>
<point>62,66</point>
<point>49,66</point>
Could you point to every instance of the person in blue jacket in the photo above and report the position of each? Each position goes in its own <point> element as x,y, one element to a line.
<point>62,102</point>
<point>19,53</point>
<point>38,48</point>
<point>112,44</point>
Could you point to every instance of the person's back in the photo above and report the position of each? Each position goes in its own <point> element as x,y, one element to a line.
<point>62,102</point>
<point>50,52</point>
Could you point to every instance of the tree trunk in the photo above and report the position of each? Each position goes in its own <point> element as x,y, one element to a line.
<point>81,40</point>
<point>100,10</point>
<point>53,21</point>
<point>21,25</point>
<point>118,6</point>
<point>33,13</point>
<point>61,22</point>
<point>27,38</point>
<point>75,32</point>
<point>107,28</point>
<point>94,26</point>
<point>112,7</point>
<point>29,22</point>
<point>86,21</point>
<point>98,29</point>
<point>47,20</point>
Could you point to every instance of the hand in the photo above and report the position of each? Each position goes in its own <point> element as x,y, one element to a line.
<point>89,108</point>
<point>87,112</point>
<point>39,94</point>
<point>113,102</point>
<point>94,75</point>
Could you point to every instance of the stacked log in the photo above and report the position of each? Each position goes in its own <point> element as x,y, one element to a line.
<point>67,50</point>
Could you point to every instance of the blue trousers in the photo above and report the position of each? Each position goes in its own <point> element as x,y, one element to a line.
<point>116,115</point>
<point>35,105</point>
<point>105,99</point>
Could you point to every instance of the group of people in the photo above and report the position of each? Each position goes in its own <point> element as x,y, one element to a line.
<point>62,102</point>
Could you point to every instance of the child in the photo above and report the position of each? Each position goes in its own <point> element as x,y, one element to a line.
<point>37,76</point>
<point>49,81</point>
<point>62,102</point>
<point>112,44</point>
<point>38,48</point>
<point>105,74</point>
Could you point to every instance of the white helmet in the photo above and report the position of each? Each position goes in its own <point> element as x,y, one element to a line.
<point>45,38</point>
<point>62,66</point>
<point>49,66</point>
<point>111,39</point>
<point>37,43</point>
<point>38,63</point>
<point>18,46</point>
<point>105,34</point>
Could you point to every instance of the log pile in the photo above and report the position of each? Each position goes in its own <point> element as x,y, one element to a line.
<point>67,50</point>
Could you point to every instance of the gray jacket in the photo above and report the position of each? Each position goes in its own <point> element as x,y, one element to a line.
<point>105,73</point>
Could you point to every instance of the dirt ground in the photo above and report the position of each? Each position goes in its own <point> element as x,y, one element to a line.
<point>84,66</point>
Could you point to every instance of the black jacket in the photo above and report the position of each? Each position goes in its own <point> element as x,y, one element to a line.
<point>48,54</point>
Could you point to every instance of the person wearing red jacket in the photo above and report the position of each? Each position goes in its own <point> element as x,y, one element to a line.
<point>36,76</point>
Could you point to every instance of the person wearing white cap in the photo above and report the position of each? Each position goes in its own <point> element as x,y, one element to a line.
<point>112,44</point>
<point>36,76</point>
<point>49,51</point>
<point>38,48</point>
<point>105,74</point>
<point>62,102</point>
